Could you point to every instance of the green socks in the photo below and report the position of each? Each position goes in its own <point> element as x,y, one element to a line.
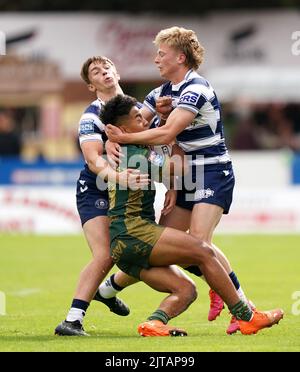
<point>242,311</point>
<point>159,315</point>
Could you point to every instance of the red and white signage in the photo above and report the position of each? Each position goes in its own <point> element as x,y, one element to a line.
<point>53,210</point>
<point>263,211</point>
<point>38,210</point>
<point>257,210</point>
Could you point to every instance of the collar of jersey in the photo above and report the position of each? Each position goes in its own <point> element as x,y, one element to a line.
<point>186,78</point>
<point>100,100</point>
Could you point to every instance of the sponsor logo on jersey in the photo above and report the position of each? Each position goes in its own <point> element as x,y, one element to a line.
<point>86,127</point>
<point>189,97</point>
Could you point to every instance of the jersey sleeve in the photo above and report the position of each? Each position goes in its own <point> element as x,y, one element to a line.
<point>90,126</point>
<point>150,100</point>
<point>194,96</point>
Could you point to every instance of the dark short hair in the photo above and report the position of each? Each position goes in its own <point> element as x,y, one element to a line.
<point>116,107</point>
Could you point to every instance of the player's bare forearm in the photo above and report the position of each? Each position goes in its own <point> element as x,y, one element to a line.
<point>131,178</point>
<point>156,136</point>
<point>101,167</point>
<point>162,121</point>
<point>92,152</point>
<point>179,164</point>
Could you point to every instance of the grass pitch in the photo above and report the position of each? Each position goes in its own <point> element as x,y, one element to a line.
<point>38,277</point>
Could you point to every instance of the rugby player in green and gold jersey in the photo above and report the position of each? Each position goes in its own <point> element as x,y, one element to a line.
<point>145,250</point>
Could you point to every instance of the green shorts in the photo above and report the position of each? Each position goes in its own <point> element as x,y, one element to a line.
<point>132,241</point>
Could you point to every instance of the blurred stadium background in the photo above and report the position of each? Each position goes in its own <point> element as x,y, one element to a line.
<point>252,60</point>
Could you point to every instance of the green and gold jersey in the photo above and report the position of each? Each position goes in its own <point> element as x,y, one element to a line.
<point>127,203</point>
<point>133,231</point>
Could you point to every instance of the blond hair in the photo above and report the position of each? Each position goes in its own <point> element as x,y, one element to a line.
<point>185,41</point>
<point>85,67</point>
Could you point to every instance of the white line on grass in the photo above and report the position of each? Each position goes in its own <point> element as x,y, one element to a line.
<point>25,292</point>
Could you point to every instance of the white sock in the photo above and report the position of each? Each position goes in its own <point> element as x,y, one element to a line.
<point>75,314</point>
<point>107,290</point>
<point>242,295</point>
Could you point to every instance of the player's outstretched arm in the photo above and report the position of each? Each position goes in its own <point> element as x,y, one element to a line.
<point>92,152</point>
<point>177,121</point>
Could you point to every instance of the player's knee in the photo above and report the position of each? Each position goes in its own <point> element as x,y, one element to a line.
<point>189,291</point>
<point>207,250</point>
<point>193,293</point>
<point>200,234</point>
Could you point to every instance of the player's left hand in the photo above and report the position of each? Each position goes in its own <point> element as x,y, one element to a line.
<point>114,153</point>
<point>164,106</point>
<point>133,179</point>
<point>114,133</point>
<point>170,201</point>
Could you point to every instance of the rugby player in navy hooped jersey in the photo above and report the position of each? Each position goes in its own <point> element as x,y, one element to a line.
<point>142,248</point>
<point>102,78</point>
<point>195,123</point>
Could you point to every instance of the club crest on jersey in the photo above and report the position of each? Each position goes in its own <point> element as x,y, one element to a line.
<point>189,97</point>
<point>156,159</point>
<point>101,204</point>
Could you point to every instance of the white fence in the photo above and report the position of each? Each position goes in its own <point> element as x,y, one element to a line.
<point>264,201</point>
<point>53,210</point>
<point>38,210</point>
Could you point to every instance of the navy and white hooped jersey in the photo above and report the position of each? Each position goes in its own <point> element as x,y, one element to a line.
<point>90,126</point>
<point>204,137</point>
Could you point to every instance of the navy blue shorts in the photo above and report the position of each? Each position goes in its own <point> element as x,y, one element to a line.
<point>214,186</point>
<point>91,202</point>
